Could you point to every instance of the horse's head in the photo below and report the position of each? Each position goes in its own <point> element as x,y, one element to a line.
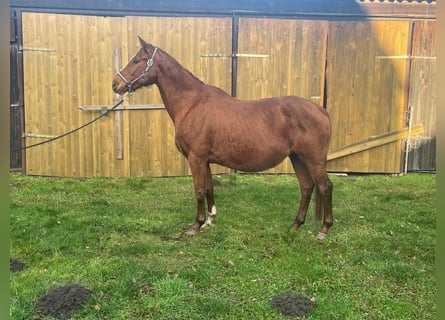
<point>140,70</point>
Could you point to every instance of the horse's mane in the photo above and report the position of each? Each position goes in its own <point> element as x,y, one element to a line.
<point>181,66</point>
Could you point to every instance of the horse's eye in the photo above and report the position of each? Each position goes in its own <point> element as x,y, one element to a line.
<point>135,61</point>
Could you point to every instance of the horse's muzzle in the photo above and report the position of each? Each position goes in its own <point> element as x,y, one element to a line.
<point>117,88</point>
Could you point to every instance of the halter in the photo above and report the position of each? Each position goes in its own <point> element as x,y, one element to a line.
<point>129,83</point>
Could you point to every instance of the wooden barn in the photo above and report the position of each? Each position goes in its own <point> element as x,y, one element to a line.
<point>370,63</point>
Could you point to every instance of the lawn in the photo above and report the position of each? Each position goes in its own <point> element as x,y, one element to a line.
<point>123,238</point>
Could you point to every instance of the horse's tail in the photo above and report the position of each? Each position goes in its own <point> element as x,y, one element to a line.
<point>318,205</point>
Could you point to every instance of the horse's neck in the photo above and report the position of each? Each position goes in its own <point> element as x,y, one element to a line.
<point>178,87</point>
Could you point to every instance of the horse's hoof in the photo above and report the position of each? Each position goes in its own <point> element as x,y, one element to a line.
<point>294,227</point>
<point>321,236</point>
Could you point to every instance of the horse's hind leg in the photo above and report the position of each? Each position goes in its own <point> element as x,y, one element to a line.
<point>210,199</point>
<point>306,189</point>
<point>324,192</point>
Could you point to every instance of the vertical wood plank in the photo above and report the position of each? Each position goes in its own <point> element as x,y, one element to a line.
<point>118,115</point>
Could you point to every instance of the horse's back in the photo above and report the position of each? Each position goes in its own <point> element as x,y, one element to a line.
<point>288,113</point>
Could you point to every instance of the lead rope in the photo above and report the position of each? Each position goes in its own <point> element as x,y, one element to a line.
<point>79,128</point>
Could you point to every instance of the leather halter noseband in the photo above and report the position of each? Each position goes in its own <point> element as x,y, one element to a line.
<point>129,83</point>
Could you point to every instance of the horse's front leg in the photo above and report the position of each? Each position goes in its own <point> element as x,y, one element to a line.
<point>199,174</point>
<point>210,199</point>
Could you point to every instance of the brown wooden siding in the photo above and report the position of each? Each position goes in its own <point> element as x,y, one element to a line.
<point>365,93</point>
<point>75,70</point>
<point>79,72</point>
<point>366,90</point>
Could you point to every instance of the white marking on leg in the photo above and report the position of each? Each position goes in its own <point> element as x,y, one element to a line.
<point>210,218</point>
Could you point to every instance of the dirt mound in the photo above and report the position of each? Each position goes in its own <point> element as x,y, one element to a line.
<point>62,302</point>
<point>292,305</point>
<point>15,265</point>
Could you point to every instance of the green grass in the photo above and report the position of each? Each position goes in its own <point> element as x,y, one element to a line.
<point>123,238</point>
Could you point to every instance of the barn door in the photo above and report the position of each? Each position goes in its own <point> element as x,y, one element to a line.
<point>68,63</point>
<point>188,40</point>
<point>366,90</point>
<point>280,57</point>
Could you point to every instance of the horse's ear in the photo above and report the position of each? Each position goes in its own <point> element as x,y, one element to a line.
<point>142,42</point>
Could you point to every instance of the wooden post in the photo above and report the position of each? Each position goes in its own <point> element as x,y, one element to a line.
<point>118,114</point>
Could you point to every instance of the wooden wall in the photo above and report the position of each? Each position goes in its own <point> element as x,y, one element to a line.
<point>294,62</point>
<point>79,73</point>
<point>366,90</point>
<point>75,70</point>
<point>344,65</point>
<point>422,97</point>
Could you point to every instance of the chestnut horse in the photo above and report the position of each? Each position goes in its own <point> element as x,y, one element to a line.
<point>213,127</point>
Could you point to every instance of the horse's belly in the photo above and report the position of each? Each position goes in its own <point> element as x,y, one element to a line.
<point>256,166</point>
<point>250,160</point>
